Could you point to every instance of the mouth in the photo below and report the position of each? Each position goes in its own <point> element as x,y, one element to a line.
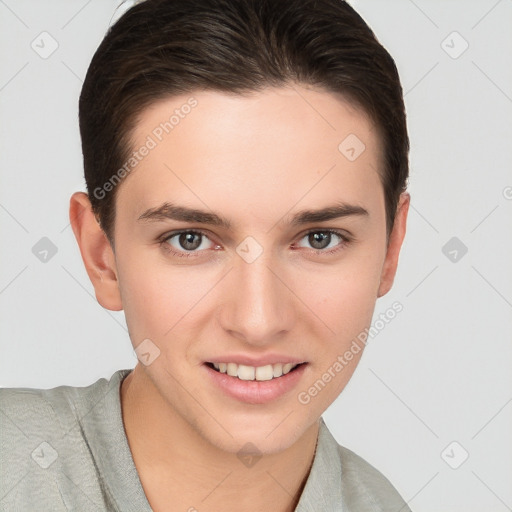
<point>255,373</point>
<point>255,384</point>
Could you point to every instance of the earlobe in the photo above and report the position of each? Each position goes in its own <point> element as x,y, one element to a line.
<point>395,243</point>
<point>96,251</point>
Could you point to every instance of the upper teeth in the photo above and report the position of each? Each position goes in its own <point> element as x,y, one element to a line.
<point>244,372</point>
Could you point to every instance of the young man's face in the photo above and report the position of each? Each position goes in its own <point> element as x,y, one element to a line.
<point>262,290</point>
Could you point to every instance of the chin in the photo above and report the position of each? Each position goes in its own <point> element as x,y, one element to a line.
<point>262,437</point>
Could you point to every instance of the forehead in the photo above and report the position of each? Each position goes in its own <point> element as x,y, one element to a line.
<point>262,151</point>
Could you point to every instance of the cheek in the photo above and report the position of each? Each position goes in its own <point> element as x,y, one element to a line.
<point>344,296</point>
<point>345,301</point>
<point>145,296</point>
<point>158,298</point>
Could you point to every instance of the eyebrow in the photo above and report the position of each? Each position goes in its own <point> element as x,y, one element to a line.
<point>170,211</point>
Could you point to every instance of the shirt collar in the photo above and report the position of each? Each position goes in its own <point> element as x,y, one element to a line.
<point>112,452</point>
<point>322,490</point>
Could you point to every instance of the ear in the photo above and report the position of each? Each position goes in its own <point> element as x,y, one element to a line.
<point>396,238</point>
<point>97,254</point>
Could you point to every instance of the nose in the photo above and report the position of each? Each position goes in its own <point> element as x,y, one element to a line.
<point>258,307</point>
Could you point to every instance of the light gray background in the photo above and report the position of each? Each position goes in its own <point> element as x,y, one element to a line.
<point>439,372</point>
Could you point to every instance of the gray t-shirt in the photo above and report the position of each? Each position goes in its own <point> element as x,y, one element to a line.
<point>65,449</point>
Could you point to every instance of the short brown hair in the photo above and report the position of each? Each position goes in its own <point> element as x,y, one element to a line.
<point>161,48</point>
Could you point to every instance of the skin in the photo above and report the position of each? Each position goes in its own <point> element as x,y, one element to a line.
<point>255,160</point>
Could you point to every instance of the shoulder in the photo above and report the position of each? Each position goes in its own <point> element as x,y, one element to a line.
<point>43,439</point>
<point>364,487</point>
<point>32,412</point>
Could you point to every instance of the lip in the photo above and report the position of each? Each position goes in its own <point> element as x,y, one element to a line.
<point>253,391</point>
<point>255,361</point>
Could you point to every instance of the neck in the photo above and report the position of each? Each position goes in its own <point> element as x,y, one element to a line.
<point>181,470</point>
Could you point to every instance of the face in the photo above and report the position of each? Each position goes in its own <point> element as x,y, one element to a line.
<point>282,267</point>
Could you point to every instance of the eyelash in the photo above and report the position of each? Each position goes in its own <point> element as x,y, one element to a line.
<point>345,240</point>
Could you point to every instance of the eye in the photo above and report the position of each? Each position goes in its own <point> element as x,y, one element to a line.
<point>182,242</point>
<point>190,243</point>
<point>326,240</point>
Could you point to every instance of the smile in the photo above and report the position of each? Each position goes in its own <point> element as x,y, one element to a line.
<point>255,384</point>
<point>259,373</point>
